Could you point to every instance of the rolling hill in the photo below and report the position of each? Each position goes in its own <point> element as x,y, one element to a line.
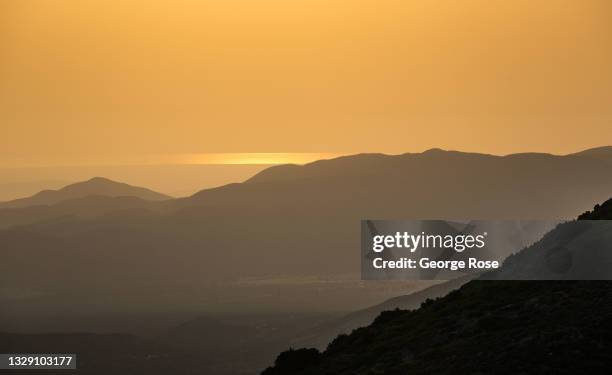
<point>98,186</point>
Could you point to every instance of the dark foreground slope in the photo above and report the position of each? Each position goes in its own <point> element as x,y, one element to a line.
<point>500,327</point>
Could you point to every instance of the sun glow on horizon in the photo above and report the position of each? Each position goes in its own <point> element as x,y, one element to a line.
<point>261,158</point>
<point>222,158</point>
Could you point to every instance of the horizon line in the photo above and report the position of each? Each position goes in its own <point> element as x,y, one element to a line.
<point>239,158</point>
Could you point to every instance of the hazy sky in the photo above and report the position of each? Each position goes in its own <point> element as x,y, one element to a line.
<point>122,80</point>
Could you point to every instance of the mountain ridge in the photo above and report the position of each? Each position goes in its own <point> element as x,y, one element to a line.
<point>288,226</point>
<point>375,159</point>
<point>95,186</point>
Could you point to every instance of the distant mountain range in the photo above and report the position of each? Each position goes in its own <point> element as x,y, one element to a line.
<point>486,326</point>
<point>85,200</point>
<point>288,220</point>
<point>97,186</point>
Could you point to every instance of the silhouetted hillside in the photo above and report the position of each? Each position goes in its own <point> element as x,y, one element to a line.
<point>485,327</point>
<point>599,212</point>
<point>500,327</point>
<point>95,186</point>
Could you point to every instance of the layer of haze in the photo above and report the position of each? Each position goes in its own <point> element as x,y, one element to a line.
<point>113,81</point>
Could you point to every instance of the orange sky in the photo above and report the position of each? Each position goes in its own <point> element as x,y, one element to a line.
<point>119,80</point>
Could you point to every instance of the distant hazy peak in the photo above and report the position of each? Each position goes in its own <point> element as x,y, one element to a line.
<point>97,183</point>
<point>434,149</point>
<point>95,186</point>
<point>100,179</point>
